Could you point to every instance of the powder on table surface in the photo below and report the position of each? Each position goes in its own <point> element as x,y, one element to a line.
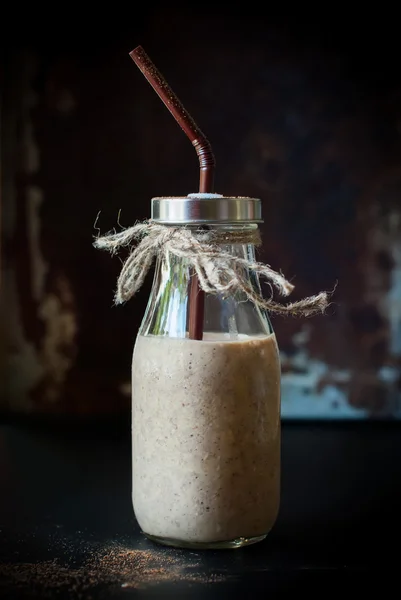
<point>114,565</point>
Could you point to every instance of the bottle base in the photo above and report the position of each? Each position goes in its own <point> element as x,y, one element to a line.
<point>223,545</point>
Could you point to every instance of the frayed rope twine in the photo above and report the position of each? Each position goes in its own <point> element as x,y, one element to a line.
<point>218,271</point>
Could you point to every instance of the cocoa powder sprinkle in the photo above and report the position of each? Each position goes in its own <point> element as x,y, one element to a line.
<point>112,566</point>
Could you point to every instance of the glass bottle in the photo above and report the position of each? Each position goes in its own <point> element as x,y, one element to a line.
<point>205,414</point>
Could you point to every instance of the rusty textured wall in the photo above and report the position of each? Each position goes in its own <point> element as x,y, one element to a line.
<point>306,122</point>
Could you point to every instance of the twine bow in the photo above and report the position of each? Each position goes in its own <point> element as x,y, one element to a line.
<point>218,271</point>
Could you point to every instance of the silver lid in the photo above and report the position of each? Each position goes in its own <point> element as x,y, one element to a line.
<point>206,208</point>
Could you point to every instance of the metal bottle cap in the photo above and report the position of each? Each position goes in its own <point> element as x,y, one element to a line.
<point>206,208</point>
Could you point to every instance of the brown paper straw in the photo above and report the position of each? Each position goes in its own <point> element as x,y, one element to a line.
<point>206,162</point>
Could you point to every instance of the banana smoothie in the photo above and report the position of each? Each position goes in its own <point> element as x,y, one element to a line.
<point>206,437</point>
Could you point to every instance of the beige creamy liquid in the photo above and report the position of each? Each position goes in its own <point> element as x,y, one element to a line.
<point>206,436</point>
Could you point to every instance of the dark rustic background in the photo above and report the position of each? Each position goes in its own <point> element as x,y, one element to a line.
<point>303,113</point>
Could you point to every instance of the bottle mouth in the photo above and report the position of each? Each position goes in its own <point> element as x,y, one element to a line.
<point>205,208</point>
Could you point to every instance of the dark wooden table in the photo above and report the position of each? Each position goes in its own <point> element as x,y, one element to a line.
<point>68,530</point>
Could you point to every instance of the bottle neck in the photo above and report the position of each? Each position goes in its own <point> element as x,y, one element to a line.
<point>227,312</point>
